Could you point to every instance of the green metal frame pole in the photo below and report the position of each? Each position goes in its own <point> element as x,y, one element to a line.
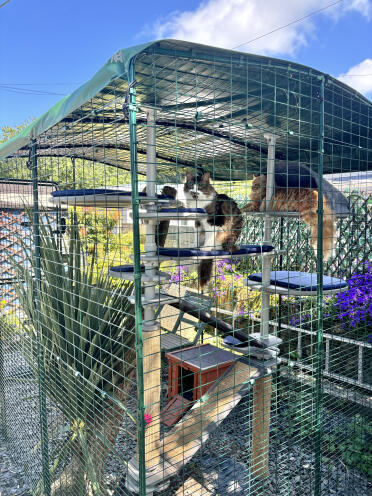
<point>319,344</point>
<point>3,427</point>
<point>39,332</point>
<point>137,280</point>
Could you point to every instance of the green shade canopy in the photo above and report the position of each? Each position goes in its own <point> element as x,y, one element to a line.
<point>213,107</point>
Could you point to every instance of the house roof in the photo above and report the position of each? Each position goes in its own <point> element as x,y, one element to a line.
<point>17,194</point>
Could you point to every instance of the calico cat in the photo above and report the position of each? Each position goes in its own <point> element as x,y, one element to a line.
<point>294,199</point>
<point>223,226</point>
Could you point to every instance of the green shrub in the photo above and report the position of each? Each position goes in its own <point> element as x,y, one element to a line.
<point>352,443</point>
<point>84,330</point>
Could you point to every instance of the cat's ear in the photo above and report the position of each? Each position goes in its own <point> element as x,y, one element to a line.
<point>188,177</point>
<point>206,177</point>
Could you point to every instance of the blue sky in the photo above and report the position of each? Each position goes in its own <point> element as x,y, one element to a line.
<point>52,47</point>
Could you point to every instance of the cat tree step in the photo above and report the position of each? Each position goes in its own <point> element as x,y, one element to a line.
<point>103,197</point>
<point>175,213</point>
<point>273,214</point>
<point>159,299</point>
<point>199,254</point>
<point>295,283</point>
<point>259,353</point>
<point>295,215</point>
<point>126,272</point>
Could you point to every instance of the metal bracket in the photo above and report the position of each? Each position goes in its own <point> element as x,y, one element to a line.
<point>126,105</point>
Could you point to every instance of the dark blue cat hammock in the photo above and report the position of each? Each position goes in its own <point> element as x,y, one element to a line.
<point>101,196</point>
<point>181,210</point>
<point>194,252</point>
<point>292,282</point>
<point>125,269</point>
<point>126,272</point>
<point>175,213</point>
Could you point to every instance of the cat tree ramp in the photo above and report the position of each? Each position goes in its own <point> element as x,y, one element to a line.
<point>181,443</point>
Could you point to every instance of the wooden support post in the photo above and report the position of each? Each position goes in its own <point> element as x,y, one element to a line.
<point>152,389</point>
<point>261,427</point>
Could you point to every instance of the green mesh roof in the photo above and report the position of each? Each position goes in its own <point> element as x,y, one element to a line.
<point>213,107</point>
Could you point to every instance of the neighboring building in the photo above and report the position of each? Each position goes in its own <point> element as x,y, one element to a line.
<point>15,197</point>
<point>349,181</point>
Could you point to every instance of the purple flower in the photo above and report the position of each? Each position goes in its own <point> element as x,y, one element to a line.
<point>355,304</point>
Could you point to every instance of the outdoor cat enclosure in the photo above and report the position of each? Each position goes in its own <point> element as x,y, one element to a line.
<point>248,406</point>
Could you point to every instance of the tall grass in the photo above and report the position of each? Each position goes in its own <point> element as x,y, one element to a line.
<point>85,327</point>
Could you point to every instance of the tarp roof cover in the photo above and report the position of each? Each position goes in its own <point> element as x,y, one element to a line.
<point>213,107</point>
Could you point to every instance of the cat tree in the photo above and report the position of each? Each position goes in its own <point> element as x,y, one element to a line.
<point>164,457</point>
<point>160,457</point>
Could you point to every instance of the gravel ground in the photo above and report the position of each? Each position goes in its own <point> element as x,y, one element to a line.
<point>12,481</point>
<point>222,466</point>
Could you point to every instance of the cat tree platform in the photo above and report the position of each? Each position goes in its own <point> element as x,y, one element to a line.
<point>175,214</point>
<point>126,272</point>
<point>159,299</point>
<point>103,197</point>
<point>294,215</point>
<point>295,283</point>
<point>193,253</point>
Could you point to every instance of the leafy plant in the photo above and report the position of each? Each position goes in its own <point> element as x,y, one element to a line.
<point>84,327</point>
<point>96,226</point>
<point>352,443</point>
<point>298,413</point>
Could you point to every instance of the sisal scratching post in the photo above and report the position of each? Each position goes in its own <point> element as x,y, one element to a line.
<point>261,427</point>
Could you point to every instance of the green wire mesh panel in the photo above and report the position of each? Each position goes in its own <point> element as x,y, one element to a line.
<point>147,344</point>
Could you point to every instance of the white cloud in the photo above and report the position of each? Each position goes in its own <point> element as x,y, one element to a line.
<point>364,7</point>
<point>359,77</point>
<point>232,22</point>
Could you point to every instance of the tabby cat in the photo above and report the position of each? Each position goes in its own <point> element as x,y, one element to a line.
<point>304,200</point>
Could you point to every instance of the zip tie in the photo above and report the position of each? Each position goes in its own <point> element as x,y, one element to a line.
<point>126,99</point>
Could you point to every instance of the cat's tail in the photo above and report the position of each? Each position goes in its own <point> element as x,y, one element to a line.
<point>205,271</point>
<point>329,231</point>
<point>310,216</point>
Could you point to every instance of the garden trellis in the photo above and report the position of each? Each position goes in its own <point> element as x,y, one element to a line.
<point>121,398</point>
